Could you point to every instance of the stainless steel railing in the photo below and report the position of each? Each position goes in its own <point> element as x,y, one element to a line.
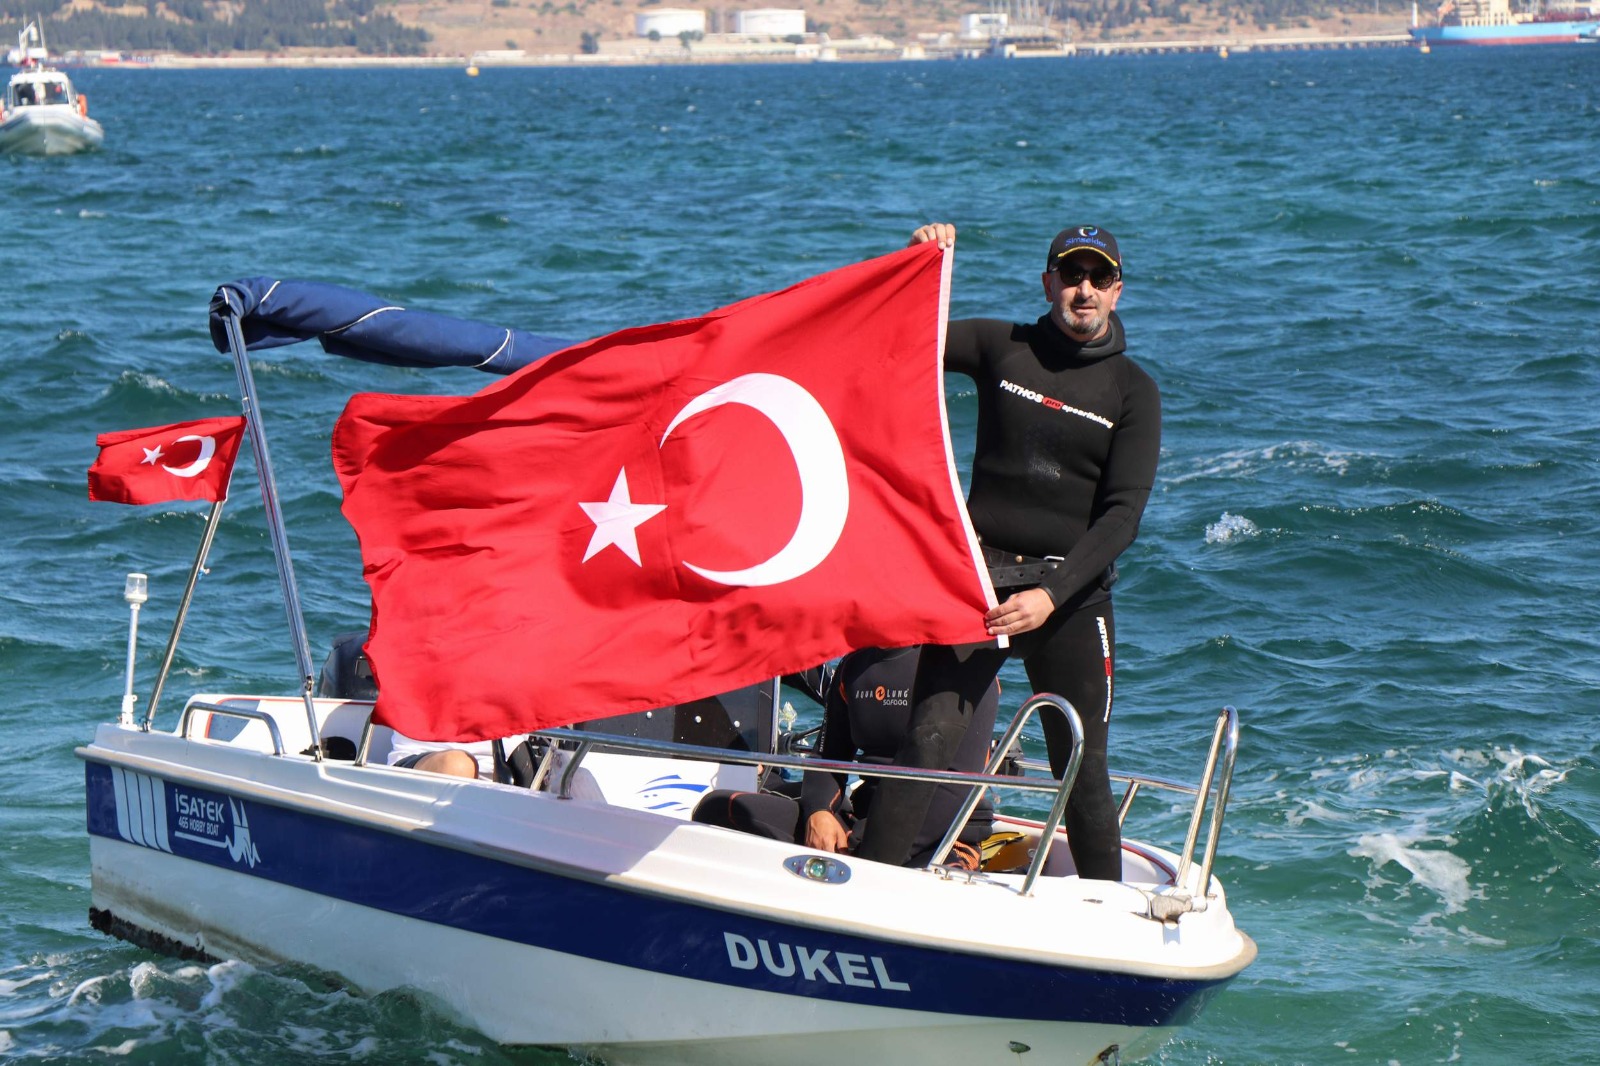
<point>252,713</point>
<point>1220,759</point>
<point>1224,747</point>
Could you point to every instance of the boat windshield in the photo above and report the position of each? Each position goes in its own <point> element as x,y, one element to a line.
<point>55,92</point>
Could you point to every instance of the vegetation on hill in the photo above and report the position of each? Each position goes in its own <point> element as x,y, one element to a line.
<point>211,26</point>
<point>459,27</point>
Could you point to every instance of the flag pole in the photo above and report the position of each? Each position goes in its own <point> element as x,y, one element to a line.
<point>183,607</point>
<point>280,539</point>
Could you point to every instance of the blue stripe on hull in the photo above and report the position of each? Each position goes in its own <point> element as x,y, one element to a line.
<point>405,876</point>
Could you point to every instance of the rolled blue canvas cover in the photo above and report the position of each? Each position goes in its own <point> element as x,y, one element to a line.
<point>356,324</point>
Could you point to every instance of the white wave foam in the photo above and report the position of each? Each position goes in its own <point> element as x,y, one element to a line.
<point>1511,776</point>
<point>1294,454</point>
<point>224,978</point>
<point>1228,527</point>
<point>124,1048</point>
<point>9,987</point>
<point>1441,872</point>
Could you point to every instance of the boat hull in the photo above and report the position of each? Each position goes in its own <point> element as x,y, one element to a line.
<point>48,129</point>
<point>1508,34</point>
<point>612,931</point>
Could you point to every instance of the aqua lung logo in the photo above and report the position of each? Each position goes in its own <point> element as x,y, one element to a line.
<point>818,965</point>
<point>885,696</point>
<point>1088,231</point>
<point>144,817</point>
<point>1053,403</point>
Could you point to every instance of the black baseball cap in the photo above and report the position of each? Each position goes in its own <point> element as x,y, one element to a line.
<point>1084,239</point>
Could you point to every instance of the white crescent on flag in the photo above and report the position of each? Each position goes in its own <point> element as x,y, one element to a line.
<point>824,487</point>
<point>208,448</point>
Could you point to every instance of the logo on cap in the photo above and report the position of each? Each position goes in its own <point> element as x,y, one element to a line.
<point>1088,231</point>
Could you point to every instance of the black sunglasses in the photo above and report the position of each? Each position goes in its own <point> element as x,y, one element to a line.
<point>1101,277</point>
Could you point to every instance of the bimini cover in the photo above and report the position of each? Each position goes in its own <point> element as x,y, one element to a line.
<point>275,312</point>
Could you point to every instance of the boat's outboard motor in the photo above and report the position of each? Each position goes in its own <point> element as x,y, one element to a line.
<point>346,674</point>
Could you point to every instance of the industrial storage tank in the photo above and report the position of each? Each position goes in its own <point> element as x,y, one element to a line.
<point>770,22</point>
<point>669,21</point>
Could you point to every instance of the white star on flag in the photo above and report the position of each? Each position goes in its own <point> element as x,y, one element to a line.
<point>616,521</point>
<point>151,456</point>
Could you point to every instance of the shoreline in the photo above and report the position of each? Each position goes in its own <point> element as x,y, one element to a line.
<point>644,53</point>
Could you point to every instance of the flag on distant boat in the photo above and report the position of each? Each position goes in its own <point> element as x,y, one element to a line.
<point>183,461</point>
<point>668,512</point>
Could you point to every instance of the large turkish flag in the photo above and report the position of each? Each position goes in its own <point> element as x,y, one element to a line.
<point>669,512</point>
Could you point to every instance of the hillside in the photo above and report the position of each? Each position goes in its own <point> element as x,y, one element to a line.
<point>462,27</point>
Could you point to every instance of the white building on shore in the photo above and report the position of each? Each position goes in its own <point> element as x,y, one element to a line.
<point>985,24</point>
<point>770,22</point>
<point>669,22</point>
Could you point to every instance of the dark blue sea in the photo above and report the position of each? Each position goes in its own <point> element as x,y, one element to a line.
<point>1368,284</point>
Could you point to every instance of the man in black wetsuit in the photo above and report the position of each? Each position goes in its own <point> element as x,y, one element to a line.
<point>866,707</point>
<point>1069,432</point>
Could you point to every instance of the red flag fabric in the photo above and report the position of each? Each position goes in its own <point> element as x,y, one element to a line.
<point>669,512</point>
<point>183,461</point>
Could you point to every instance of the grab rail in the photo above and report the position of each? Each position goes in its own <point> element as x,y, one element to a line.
<point>253,713</point>
<point>1224,741</point>
<point>1058,809</point>
<point>586,740</point>
<point>1222,753</point>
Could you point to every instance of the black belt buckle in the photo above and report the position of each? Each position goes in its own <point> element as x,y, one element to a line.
<point>1009,569</point>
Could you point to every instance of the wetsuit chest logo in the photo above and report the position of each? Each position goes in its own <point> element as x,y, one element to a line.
<point>1052,403</point>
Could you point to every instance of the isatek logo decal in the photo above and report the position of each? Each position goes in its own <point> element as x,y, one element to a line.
<point>153,814</point>
<point>210,821</point>
<point>818,965</point>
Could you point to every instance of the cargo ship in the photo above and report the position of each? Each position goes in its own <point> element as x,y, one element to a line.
<point>1494,22</point>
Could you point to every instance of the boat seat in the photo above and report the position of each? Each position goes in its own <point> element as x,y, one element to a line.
<point>648,783</point>
<point>339,718</point>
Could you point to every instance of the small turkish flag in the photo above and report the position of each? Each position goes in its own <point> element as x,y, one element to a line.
<point>669,512</point>
<point>184,461</point>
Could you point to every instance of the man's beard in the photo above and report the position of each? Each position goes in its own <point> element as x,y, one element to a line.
<point>1084,329</point>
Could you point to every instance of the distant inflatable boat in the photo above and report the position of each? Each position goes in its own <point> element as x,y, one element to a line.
<point>42,114</point>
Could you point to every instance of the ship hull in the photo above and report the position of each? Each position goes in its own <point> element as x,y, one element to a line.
<point>1511,33</point>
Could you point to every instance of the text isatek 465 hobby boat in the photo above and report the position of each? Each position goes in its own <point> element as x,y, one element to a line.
<point>580,905</point>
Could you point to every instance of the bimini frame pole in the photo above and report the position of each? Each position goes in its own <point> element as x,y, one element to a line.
<point>280,540</point>
<point>199,568</point>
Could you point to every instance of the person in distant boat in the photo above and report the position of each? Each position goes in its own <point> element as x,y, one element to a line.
<point>1069,433</point>
<point>866,706</point>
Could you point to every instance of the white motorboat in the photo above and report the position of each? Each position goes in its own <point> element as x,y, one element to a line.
<point>584,908</point>
<point>41,113</point>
